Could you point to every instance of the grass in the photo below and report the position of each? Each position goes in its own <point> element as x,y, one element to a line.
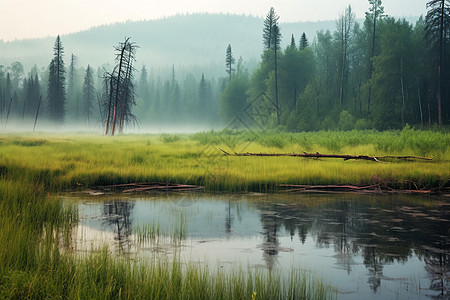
<point>37,264</point>
<point>152,234</point>
<point>82,161</point>
<point>36,227</point>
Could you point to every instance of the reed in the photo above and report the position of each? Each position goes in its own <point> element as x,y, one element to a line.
<point>37,262</point>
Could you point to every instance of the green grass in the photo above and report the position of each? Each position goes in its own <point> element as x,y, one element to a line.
<point>37,262</point>
<point>36,227</point>
<point>152,234</point>
<point>82,161</point>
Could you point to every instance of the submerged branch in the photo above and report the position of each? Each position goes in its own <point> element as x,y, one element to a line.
<point>318,155</point>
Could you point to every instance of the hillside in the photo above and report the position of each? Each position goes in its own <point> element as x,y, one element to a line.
<point>182,40</point>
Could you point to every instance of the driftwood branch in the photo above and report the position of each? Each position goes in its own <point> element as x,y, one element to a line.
<point>368,189</point>
<point>149,187</point>
<point>318,155</point>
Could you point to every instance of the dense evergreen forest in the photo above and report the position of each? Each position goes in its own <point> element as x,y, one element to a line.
<point>375,73</point>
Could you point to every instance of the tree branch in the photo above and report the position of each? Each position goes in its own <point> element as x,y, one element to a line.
<point>318,155</point>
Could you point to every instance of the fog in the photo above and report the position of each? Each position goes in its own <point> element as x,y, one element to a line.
<point>178,78</point>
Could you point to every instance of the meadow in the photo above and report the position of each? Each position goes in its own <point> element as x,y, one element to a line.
<point>36,224</point>
<point>80,161</point>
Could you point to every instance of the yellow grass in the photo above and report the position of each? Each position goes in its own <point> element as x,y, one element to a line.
<point>85,160</point>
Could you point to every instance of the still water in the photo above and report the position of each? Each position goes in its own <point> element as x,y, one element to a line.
<point>368,247</point>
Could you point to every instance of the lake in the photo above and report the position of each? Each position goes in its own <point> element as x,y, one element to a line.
<point>367,246</point>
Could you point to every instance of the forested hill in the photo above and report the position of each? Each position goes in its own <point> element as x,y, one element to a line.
<point>183,40</point>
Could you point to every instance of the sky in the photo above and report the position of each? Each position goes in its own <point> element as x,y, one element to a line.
<point>22,19</point>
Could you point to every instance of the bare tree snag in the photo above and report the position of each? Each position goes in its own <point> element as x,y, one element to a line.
<point>37,112</point>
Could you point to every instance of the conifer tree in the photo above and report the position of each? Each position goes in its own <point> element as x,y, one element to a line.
<point>56,92</point>
<point>88,94</point>
<point>344,33</point>
<point>292,41</point>
<point>229,62</point>
<point>8,90</point>
<point>438,27</point>
<point>143,83</point>
<point>303,41</point>
<point>276,47</point>
<point>268,30</point>
<point>376,11</point>
<point>203,97</point>
<point>144,90</point>
<point>73,98</point>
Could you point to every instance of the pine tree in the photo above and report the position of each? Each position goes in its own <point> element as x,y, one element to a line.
<point>143,83</point>
<point>303,41</point>
<point>345,32</point>
<point>27,89</point>
<point>72,84</point>
<point>88,94</point>
<point>268,30</point>
<point>36,93</point>
<point>144,90</point>
<point>292,41</point>
<point>229,62</point>
<point>438,26</point>
<point>376,11</point>
<point>17,73</point>
<point>264,81</point>
<point>57,85</point>
<point>276,47</point>
<point>31,98</point>
<point>8,91</point>
<point>204,99</point>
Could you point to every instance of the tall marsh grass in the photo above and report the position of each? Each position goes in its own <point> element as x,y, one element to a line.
<point>37,262</point>
<point>83,161</point>
<point>35,252</point>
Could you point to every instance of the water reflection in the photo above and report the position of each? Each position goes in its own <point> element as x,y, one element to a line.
<point>387,245</point>
<point>117,216</point>
<point>228,220</point>
<point>382,231</point>
<point>270,223</point>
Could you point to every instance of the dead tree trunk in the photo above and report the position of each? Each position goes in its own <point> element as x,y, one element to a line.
<point>318,155</point>
<point>9,109</point>
<point>116,102</point>
<point>37,112</point>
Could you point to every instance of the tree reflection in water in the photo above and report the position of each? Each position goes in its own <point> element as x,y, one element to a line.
<point>372,232</point>
<point>382,231</point>
<point>116,215</point>
<point>228,220</point>
<point>271,244</point>
<point>437,265</point>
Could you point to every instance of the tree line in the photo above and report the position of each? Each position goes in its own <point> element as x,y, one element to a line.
<point>109,97</point>
<point>380,73</point>
<point>383,73</point>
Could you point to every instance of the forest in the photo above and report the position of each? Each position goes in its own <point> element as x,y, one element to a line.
<point>374,73</point>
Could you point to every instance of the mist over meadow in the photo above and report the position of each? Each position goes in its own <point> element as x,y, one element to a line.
<point>322,76</point>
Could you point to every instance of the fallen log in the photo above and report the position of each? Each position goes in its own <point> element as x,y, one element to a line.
<point>149,186</point>
<point>319,155</point>
<point>177,187</point>
<point>376,188</point>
